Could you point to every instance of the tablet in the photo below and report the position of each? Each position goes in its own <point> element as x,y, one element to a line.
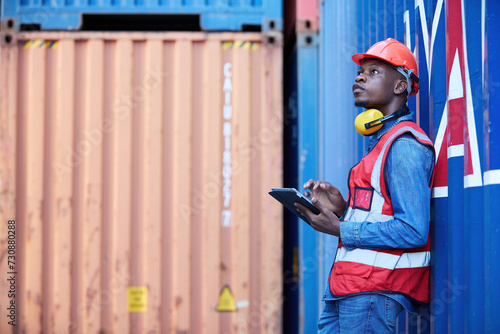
<point>288,196</point>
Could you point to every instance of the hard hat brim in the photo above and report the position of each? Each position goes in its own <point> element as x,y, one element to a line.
<point>359,57</point>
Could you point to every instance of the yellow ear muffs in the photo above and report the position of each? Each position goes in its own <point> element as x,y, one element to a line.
<point>369,121</point>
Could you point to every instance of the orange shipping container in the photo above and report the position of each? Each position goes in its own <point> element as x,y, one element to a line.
<point>136,168</point>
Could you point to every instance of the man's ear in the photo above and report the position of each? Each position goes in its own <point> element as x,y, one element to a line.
<point>400,87</point>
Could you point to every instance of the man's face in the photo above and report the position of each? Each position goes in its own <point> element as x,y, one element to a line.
<point>374,86</point>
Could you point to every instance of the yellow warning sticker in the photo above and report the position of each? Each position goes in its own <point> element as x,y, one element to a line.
<point>137,299</point>
<point>40,43</point>
<point>226,301</point>
<point>240,45</point>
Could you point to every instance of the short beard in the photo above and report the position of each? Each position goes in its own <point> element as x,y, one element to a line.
<point>360,103</point>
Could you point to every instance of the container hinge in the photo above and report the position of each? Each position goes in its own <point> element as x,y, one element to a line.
<point>272,24</point>
<point>273,38</point>
<point>306,26</point>
<point>307,39</point>
<point>8,29</point>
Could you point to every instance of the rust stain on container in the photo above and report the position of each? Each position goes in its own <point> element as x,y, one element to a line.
<point>142,159</point>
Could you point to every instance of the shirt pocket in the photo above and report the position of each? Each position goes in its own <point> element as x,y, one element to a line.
<point>363,198</point>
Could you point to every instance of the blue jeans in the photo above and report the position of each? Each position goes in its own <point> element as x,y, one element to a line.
<point>370,313</point>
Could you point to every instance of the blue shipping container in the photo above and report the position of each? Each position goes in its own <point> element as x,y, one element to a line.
<point>301,253</point>
<point>215,15</point>
<point>456,43</point>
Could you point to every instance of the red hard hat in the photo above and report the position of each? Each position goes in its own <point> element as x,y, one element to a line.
<point>395,53</point>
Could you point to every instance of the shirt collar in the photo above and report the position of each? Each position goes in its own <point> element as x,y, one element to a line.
<point>385,128</point>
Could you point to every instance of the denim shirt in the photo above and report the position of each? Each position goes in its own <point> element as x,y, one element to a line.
<point>408,174</point>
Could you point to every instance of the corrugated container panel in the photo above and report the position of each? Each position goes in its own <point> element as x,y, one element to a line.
<point>308,154</point>
<point>136,167</point>
<point>490,42</point>
<point>337,111</point>
<point>455,47</point>
<point>302,289</point>
<point>215,15</point>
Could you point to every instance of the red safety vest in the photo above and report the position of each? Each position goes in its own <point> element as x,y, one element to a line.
<point>393,270</point>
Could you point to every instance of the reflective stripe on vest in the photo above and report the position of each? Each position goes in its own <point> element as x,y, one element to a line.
<point>384,260</point>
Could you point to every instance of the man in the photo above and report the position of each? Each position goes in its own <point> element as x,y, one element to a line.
<point>382,262</point>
